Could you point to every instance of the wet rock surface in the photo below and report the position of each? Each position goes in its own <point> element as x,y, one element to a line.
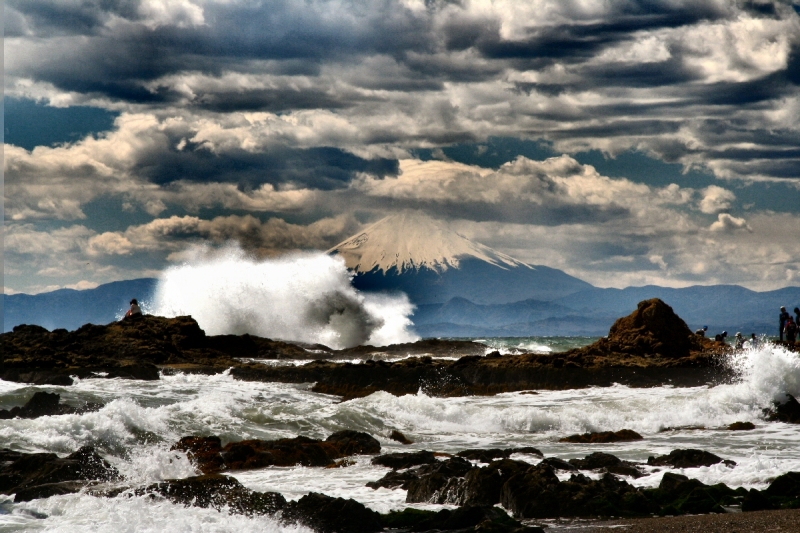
<point>40,475</point>
<point>786,411</point>
<point>465,519</point>
<point>44,404</point>
<point>208,454</point>
<point>603,437</point>
<point>326,514</point>
<point>688,459</point>
<point>606,462</point>
<point>217,491</point>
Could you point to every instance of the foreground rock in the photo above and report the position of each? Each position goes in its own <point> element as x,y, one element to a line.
<point>39,475</point>
<point>326,514</point>
<point>44,404</point>
<point>688,459</point>
<point>534,491</point>
<point>208,454</point>
<point>650,347</point>
<point>464,519</point>
<point>787,411</point>
<point>603,437</point>
<point>218,492</point>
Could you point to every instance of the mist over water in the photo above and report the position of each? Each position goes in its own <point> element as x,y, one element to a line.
<point>299,297</point>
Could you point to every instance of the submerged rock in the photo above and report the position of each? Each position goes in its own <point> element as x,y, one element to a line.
<point>399,437</point>
<point>603,437</point>
<point>210,456</point>
<point>741,426</point>
<point>398,461</point>
<point>688,459</point>
<point>40,475</point>
<point>488,455</point>
<point>44,404</point>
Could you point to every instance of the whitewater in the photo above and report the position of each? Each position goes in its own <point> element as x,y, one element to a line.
<point>309,298</point>
<point>140,420</point>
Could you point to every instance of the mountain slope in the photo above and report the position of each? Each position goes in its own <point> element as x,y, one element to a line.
<point>422,257</point>
<point>70,309</point>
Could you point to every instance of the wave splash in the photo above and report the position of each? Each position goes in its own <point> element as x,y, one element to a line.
<point>302,297</point>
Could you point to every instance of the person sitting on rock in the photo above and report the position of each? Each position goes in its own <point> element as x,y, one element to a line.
<point>791,330</point>
<point>135,310</point>
<point>782,319</point>
<point>702,331</point>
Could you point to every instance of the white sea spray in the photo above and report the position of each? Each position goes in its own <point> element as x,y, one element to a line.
<point>304,297</point>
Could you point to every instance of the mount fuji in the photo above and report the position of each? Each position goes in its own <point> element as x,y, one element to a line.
<point>422,257</point>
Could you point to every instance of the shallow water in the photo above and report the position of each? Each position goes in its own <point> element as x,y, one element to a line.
<point>140,420</point>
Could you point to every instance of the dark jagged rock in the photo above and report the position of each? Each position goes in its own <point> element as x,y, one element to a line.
<point>40,475</point>
<point>217,491</point>
<point>788,411</point>
<point>537,493</point>
<point>44,404</point>
<point>399,437</point>
<point>558,464</point>
<point>741,426</point>
<point>490,454</point>
<point>783,493</point>
<point>435,481</point>
<point>688,459</point>
<point>465,519</point>
<point>394,479</point>
<point>350,442</point>
<point>603,437</point>
<point>680,495</point>
<point>210,456</point>
<point>398,461</point>
<point>608,463</point>
<point>332,515</point>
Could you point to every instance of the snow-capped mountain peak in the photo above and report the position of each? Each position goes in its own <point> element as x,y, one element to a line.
<point>410,241</point>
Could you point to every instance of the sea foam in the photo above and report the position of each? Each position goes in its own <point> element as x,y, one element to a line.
<point>299,297</point>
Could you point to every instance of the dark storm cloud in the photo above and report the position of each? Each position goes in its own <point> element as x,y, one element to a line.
<point>320,168</point>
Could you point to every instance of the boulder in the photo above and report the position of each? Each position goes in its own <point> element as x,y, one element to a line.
<point>678,494</point>
<point>394,479</point>
<point>350,442</point>
<point>688,459</point>
<point>40,475</point>
<point>603,437</point>
<point>44,404</point>
<point>325,514</point>
<point>741,426</point>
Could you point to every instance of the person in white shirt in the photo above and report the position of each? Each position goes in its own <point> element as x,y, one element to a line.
<point>135,310</point>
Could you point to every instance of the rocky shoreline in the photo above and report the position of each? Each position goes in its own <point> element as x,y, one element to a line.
<point>651,347</point>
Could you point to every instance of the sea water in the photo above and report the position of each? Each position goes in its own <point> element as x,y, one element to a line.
<point>140,420</point>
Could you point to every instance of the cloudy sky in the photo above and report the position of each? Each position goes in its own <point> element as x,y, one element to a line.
<point>625,142</point>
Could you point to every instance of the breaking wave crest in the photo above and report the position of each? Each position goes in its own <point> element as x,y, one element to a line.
<point>299,297</point>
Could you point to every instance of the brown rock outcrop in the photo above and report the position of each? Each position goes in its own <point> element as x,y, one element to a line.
<point>603,437</point>
<point>208,454</point>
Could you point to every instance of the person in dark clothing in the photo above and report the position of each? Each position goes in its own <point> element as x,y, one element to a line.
<point>791,330</point>
<point>720,337</point>
<point>797,317</point>
<point>782,318</point>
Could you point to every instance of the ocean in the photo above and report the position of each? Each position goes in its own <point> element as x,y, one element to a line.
<point>140,420</point>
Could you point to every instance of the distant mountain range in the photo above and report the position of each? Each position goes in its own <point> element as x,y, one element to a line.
<point>461,289</point>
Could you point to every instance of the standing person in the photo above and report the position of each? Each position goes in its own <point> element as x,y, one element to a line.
<point>797,317</point>
<point>791,330</point>
<point>753,341</point>
<point>782,318</point>
<point>739,340</point>
<point>135,310</point>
